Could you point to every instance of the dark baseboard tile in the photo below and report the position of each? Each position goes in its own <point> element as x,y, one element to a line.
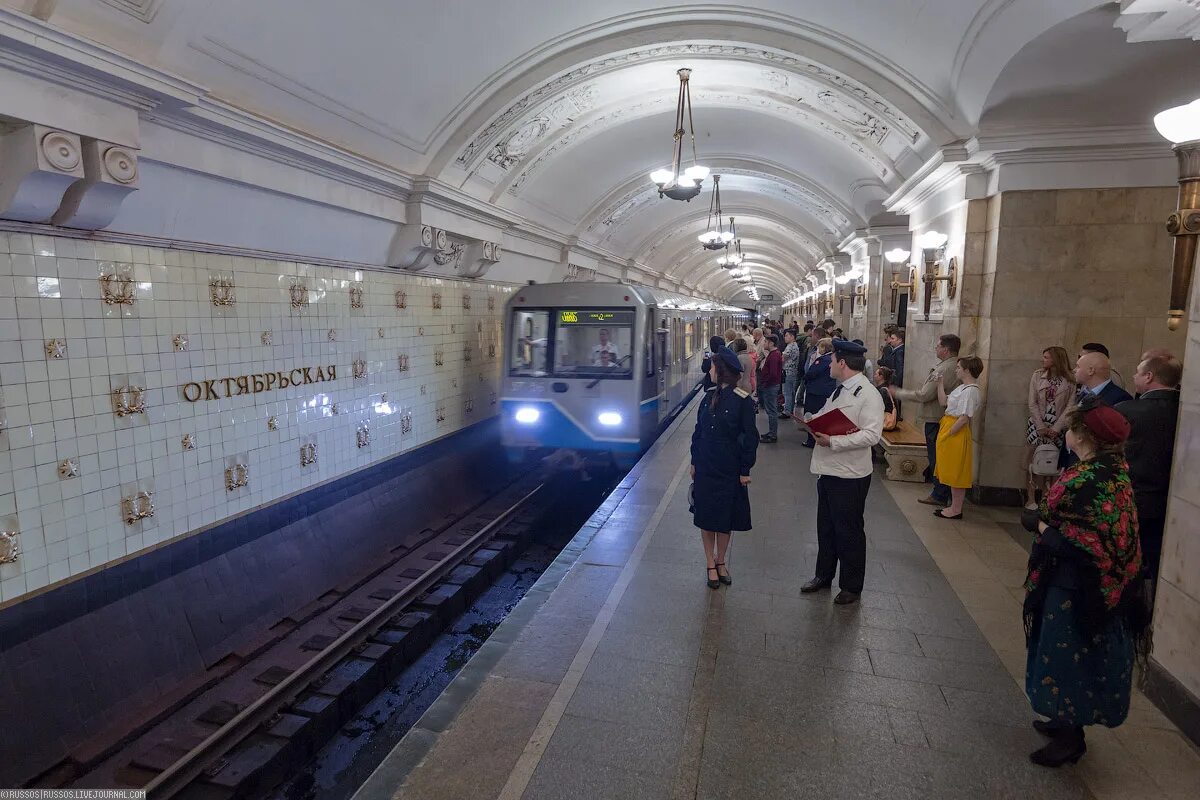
<point>1173,699</point>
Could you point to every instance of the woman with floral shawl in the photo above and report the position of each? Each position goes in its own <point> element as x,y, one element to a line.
<point>1085,618</point>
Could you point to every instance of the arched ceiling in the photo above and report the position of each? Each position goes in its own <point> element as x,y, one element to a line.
<point>813,112</point>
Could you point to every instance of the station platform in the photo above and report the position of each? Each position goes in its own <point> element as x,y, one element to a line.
<point>622,675</point>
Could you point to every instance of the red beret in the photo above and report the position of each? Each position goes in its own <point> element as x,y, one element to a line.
<point>1107,424</point>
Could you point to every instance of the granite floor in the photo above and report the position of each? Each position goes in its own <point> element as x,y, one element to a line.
<point>622,675</point>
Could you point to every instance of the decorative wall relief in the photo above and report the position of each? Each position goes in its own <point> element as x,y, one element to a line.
<point>237,477</point>
<point>401,300</point>
<point>40,166</point>
<point>491,303</point>
<point>331,335</point>
<point>110,174</point>
<point>492,399</point>
<point>10,548</point>
<point>336,409</point>
<point>137,506</point>
<point>298,294</point>
<point>380,331</point>
<point>453,253</point>
<point>467,354</point>
<point>402,361</point>
<point>188,442</point>
<point>466,300</point>
<point>308,454</point>
<point>413,247</point>
<point>117,287</point>
<point>469,405</point>
<point>441,414</point>
<point>437,301</point>
<point>359,368</point>
<point>129,400</point>
<point>56,348</point>
<point>267,338</point>
<point>221,291</point>
<point>439,358</point>
<point>362,436</point>
<point>67,469</point>
<point>180,341</point>
<point>357,296</point>
<point>272,423</point>
<point>406,423</point>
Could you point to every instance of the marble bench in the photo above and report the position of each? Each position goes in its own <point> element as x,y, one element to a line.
<point>904,451</point>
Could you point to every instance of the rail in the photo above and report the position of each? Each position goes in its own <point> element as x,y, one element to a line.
<point>192,765</point>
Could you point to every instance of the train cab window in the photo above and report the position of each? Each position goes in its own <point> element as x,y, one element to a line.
<point>594,343</point>
<point>529,352</point>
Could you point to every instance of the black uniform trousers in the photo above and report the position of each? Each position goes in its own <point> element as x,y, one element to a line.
<point>841,532</point>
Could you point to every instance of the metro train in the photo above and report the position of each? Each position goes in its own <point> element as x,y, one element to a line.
<point>601,368</point>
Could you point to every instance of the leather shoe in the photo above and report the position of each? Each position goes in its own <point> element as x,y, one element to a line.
<point>845,598</point>
<point>815,585</point>
<point>932,501</point>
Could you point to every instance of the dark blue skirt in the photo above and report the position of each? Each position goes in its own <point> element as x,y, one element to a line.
<point>1075,678</point>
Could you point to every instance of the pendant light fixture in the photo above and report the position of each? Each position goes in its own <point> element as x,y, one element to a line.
<point>715,237</point>
<point>733,252</point>
<point>672,182</point>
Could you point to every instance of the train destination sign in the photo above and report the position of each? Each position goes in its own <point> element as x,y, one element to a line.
<point>220,388</point>
<point>595,317</point>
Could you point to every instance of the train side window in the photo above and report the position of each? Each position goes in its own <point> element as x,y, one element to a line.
<point>528,354</point>
<point>664,360</point>
<point>689,339</point>
<point>648,355</point>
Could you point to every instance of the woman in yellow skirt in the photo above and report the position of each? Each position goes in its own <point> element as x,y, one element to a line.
<point>955,446</point>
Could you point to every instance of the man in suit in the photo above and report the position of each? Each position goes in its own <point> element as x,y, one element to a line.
<point>896,360</point>
<point>1093,373</point>
<point>1153,419</point>
<point>924,409</point>
<point>1097,347</point>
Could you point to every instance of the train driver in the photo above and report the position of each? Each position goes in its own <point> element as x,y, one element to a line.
<point>605,354</point>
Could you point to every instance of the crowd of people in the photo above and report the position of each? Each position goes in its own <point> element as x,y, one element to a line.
<point>1097,465</point>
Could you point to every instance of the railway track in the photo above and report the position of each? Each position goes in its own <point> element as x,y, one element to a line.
<point>242,734</point>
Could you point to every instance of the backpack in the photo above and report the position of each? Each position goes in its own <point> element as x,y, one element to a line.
<point>1045,460</point>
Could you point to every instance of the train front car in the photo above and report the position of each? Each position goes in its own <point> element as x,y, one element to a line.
<point>598,368</point>
<point>575,373</point>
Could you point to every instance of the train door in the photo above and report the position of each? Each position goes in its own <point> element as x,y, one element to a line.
<point>662,349</point>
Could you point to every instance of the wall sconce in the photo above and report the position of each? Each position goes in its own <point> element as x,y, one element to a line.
<point>900,256</point>
<point>236,477</point>
<point>137,506</point>
<point>933,247</point>
<point>1181,126</point>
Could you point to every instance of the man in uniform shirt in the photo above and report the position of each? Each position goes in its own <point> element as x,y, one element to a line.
<point>843,468</point>
<point>605,346</point>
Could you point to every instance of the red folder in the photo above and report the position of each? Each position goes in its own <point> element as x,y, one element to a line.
<point>833,423</point>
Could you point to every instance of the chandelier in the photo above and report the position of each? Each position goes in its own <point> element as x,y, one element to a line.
<point>670,182</point>
<point>716,237</point>
<point>733,257</point>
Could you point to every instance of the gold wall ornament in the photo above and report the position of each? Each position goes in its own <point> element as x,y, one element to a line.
<point>356,297</point>
<point>401,299</point>
<point>437,300</point>
<point>129,400</point>
<point>299,295</point>
<point>332,335</point>
<point>492,399</point>
<point>117,289</point>
<point>441,414</point>
<point>188,442</point>
<point>466,302</point>
<point>359,368</point>
<point>221,292</point>
<point>181,342</point>
<point>491,350</point>
<point>56,348</point>
<point>439,359</point>
<point>267,338</point>
<point>308,454</point>
<point>362,436</point>
<point>467,354</point>
<point>406,423</point>
<point>236,477</point>
<point>491,304</point>
<point>381,333</point>
<point>137,506</point>
<point>336,408</point>
<point>10,547</point>
<point>68,469</point>
<point>1184,226</point>
<point>402,360</point>
<point>272,423</point>
<point>469,405</point>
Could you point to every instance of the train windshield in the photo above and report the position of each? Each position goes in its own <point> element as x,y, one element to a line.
<point>593,343</point>
<point>528,355</point>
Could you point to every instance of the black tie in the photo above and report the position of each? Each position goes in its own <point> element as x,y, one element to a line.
<point>836,392</point>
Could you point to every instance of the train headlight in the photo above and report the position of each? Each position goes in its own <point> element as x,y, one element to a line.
<point>527,415</point>
<point>610,419</point>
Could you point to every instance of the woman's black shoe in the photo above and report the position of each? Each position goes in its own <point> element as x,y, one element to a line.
<point>940,515</point>
<point>714,583</point>
<point>1050,727</point>
<point>1067,746</point>
<point>725,579</point>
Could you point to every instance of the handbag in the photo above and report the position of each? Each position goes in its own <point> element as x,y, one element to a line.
<point>1045,460</point>
<point>692,497</point>
<point>890,422</point>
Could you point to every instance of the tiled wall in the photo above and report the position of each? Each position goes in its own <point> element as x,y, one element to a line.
<point>59,409</point>
<point>1062,268</point>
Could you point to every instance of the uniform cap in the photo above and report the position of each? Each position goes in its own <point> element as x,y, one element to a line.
<point>728,358</point>
<point>848,348</point>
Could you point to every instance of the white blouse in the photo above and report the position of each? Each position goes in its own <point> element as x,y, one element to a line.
<point>964,401</point>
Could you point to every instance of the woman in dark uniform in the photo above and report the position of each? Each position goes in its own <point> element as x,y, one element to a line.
<point>723,449</point>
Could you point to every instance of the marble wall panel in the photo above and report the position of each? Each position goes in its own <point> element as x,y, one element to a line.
<point>1177,634</point>
<point>54,409</point>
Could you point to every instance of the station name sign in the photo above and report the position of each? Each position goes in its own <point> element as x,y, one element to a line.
<point>220,388</point>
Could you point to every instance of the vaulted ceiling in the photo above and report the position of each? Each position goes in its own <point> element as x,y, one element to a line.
<point>812,111</point>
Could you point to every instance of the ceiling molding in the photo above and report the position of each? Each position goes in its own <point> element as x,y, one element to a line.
<point>1159,20</point>
<point>141,10</point>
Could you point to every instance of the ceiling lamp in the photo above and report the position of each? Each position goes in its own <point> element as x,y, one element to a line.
<point>715,237</point>
<point>671,182</point>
